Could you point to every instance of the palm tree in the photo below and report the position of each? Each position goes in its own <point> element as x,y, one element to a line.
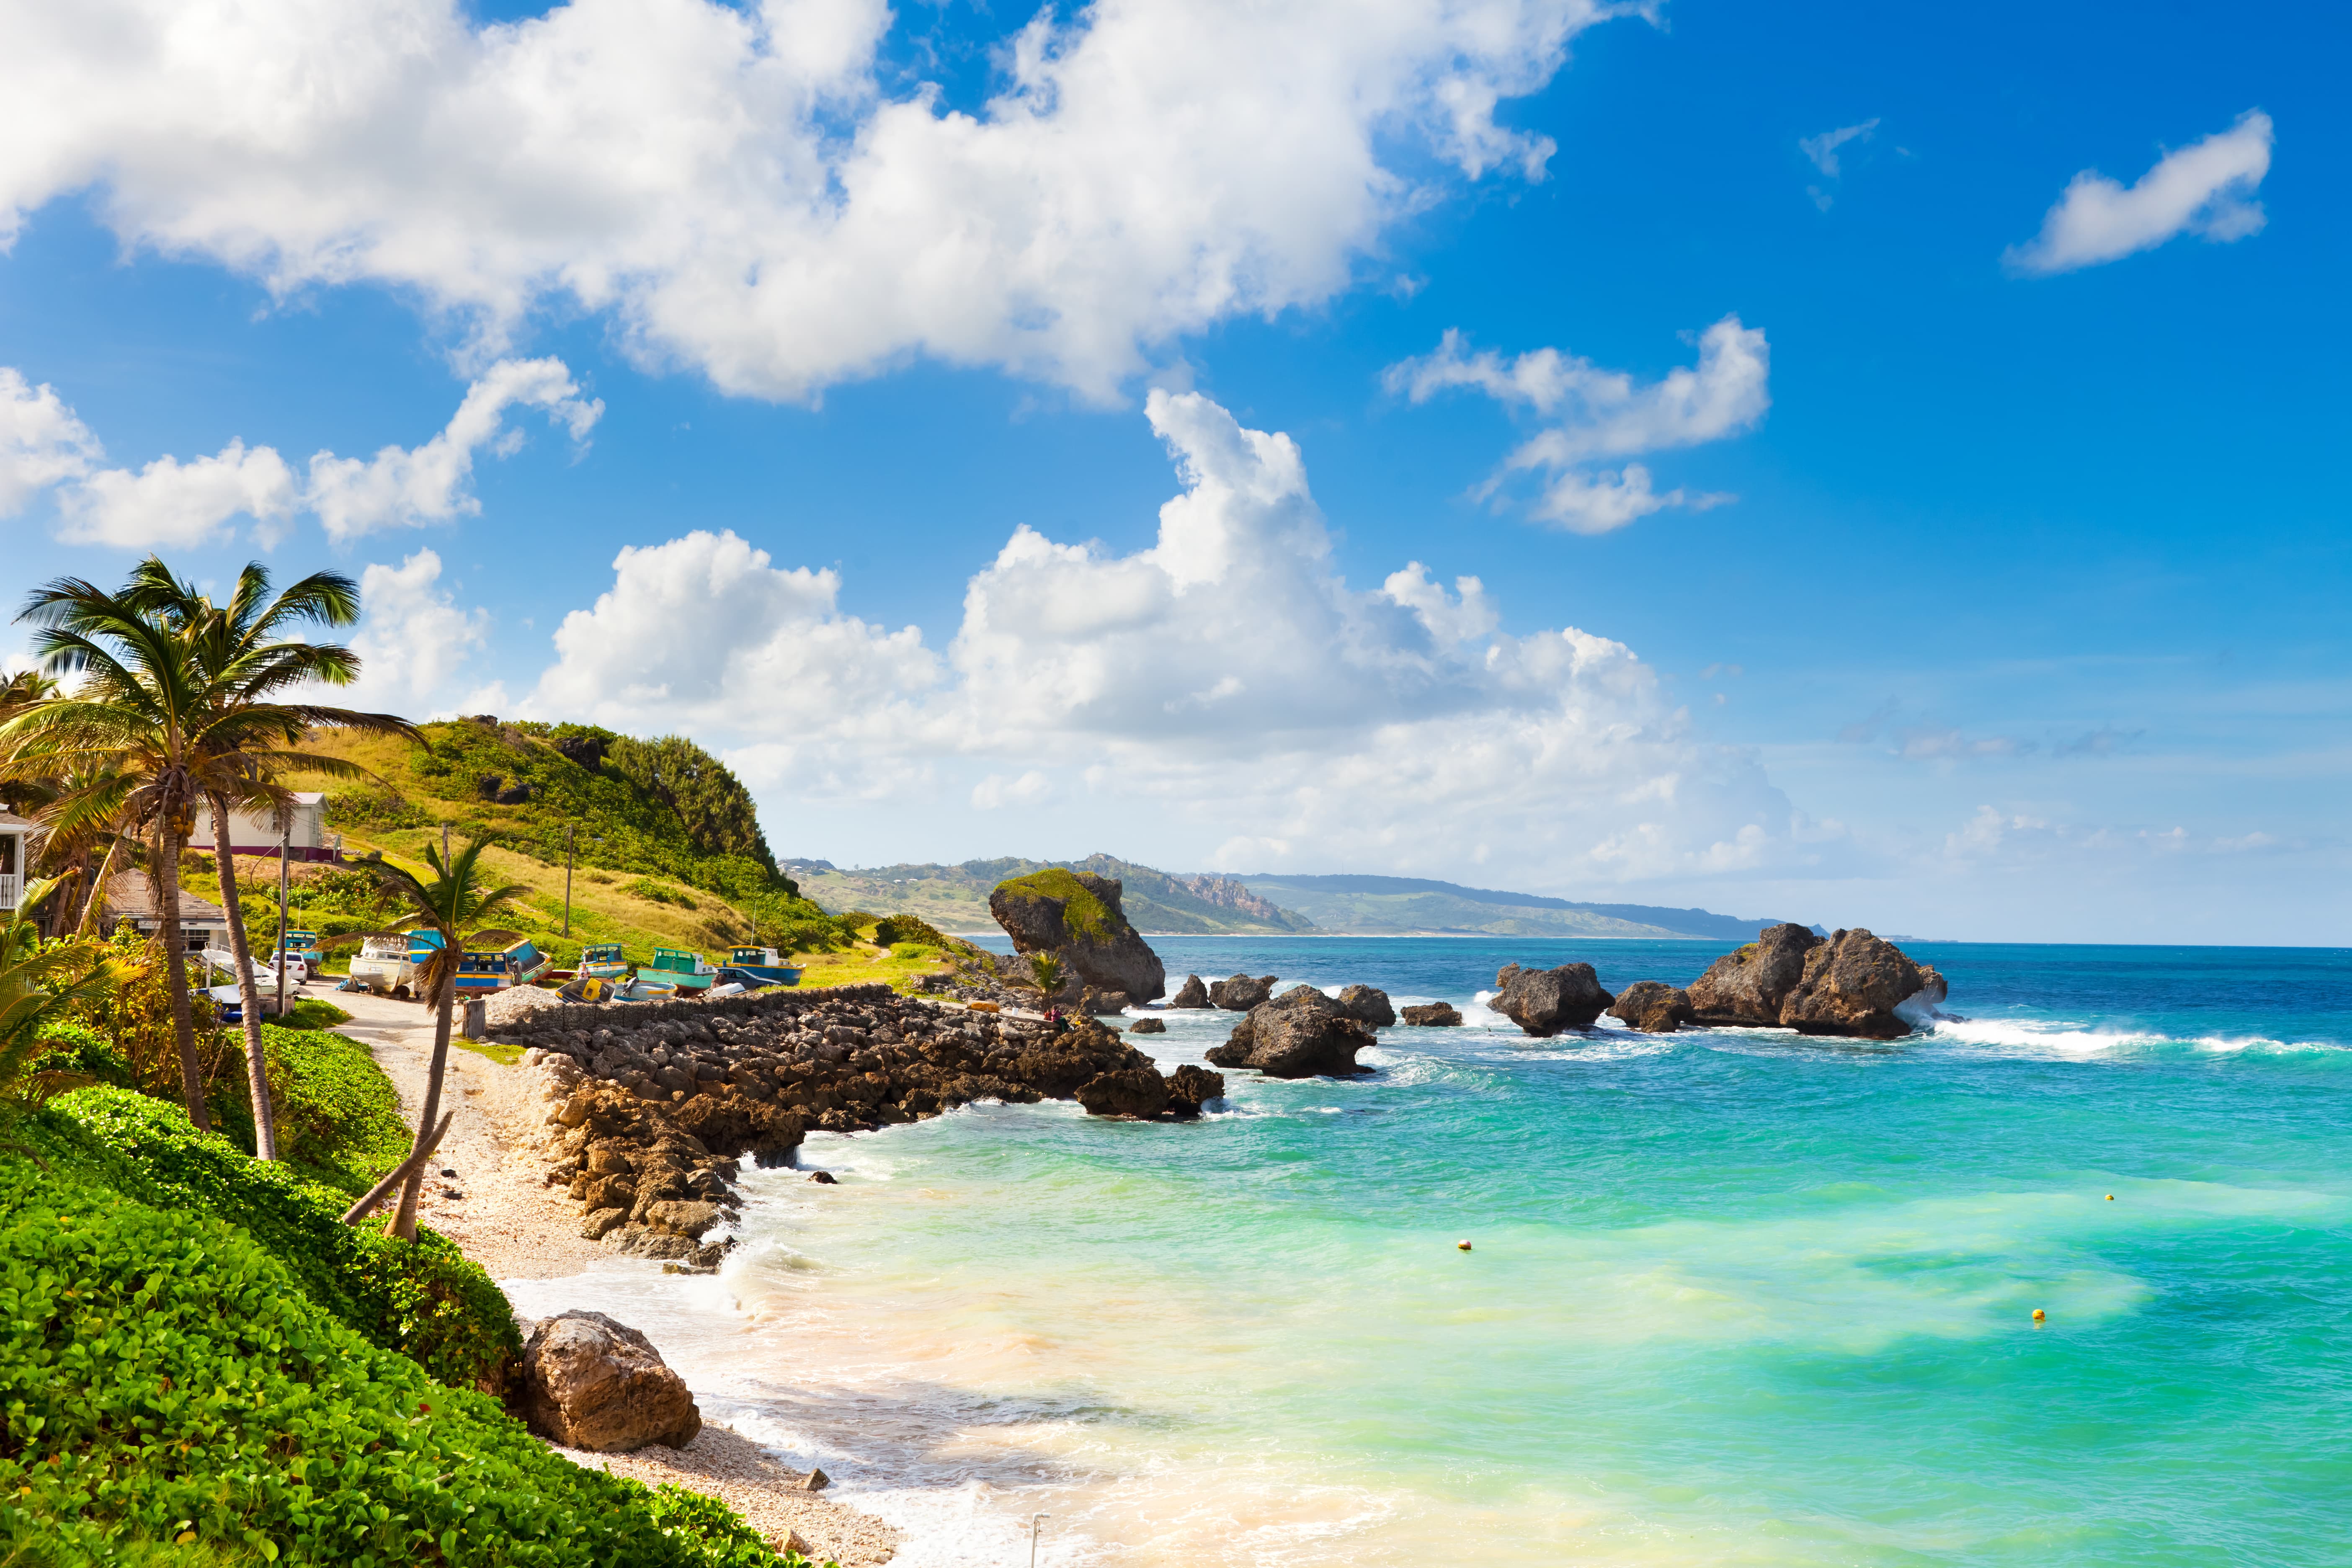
<point>455,900</point>
<point>167,701</point>
<point>253,739</point>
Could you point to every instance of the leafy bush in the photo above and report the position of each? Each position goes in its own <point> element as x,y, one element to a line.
<point>426,1299</point>
<point>164,1379</point>
<point>897,928</point>
<point>312,1013</point>
<point>655,892</point>
<point>338,1115</point>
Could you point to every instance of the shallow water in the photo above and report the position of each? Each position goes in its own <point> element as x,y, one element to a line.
<point>1735,1296</point>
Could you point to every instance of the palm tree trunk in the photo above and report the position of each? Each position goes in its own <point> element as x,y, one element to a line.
<point>403,1224</point>
<point>175,972</point>
<point>248,991</point>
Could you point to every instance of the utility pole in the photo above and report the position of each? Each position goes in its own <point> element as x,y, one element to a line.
<point>567,877</point>
<point>445,848</point>
<point>285,848</point>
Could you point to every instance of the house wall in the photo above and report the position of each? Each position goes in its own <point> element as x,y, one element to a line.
<point>258,835</point>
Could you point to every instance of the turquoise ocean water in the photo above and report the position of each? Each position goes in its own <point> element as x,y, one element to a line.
<point>1734,1297</point>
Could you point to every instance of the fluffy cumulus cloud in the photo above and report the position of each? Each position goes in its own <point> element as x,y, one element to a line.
<point>1227,680</point>
<point>414,642</point>
<point>2205,189</point>
<point>44,446</point>
<point>1604,416</point>
<point>747,190</point>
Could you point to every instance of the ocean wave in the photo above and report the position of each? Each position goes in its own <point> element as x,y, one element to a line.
<point>2065,1037</point>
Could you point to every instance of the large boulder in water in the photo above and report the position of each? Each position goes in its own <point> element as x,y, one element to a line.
<point>1749,985</point>
<point>1075,916</point>
<point>1543,1002</point>
<point>1139,1092</point>
<point>1190,1087</point>
<point>1852,983</point>
<point>1367,1005</point>
<point>1191,994</point>
<point>1300,1034</point>
<point>591,1382</point>
<point>1242,992</point>
<point>1432,1015</point>
<point>1652,1007</point>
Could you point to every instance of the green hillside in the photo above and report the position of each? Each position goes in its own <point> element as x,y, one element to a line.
<point>665,840</point>
<point>955,898</point>
<point>1389,906</point>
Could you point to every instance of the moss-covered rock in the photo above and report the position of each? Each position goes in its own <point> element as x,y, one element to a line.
<point>1075,917</point>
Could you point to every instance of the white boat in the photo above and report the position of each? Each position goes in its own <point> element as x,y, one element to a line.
<point>385,965</point>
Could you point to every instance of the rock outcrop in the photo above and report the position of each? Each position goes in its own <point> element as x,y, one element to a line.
<point>1075,916</point>
<point>1191,1087</point>
<point>651,1106</point>
<point>1148,1027</point>
<point>1241,993</point>
<point>1137,1093</point>
<point>591,1382</point>
<point>1300,1034</point>
<point>1543,1002</point>
<point>1367,1005</point>
<point>1652,1007</point>
<point>1849,983</point>
<point>1432,1014</point>
<point>1747,984</point>
<point>1191,994</point>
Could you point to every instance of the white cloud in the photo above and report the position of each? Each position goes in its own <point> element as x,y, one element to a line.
<point>2207,189</point>
<point>168,503</point>
<point>1604,414</point>
<point>41,441</point>
<point>746,190</point>
<point>171,503</point>
<point>427,484</point>
<point>1823,149</point>
<point>414,642</point>
<point>1224,682</point>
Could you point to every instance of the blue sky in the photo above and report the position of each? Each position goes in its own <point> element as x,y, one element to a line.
<point>2002,597</point>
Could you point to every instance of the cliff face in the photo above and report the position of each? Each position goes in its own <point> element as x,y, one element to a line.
<point>1075,916</point>
<point>1224,893</point>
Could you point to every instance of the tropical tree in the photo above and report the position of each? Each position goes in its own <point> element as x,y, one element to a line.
<point>455,900</point>
<point>254,739</point>
<point>169,714</point>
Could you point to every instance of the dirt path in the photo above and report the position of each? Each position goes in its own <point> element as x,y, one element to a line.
<point>501,1215</point>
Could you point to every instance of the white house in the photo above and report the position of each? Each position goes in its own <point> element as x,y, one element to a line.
<point>257,834</point>
<point>130,896</point>
<point>15,834</point>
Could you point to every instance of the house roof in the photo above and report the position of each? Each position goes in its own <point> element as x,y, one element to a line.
<point>10,819</point>
<point>131,896</point>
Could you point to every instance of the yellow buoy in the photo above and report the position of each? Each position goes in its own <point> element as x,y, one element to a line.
<point>1462,1245</point>
<point>2038,1314</point>
<point>2111,1197</point>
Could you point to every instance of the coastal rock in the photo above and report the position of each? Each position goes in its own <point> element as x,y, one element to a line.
<point>1103,1003</point>
<point>1300,1034</point>
<point>601,1223</point>
<point>1543,1002</point>
<point>1367,1005</point>
<point>1652,1007</point>
<point>1749,985</point>
<point>1148,1027</point>
<point>687,1218</point>
<point>1139,1092</point>
<point>1191,994</point>
<point>1851,985</point>
<point>1075,916</point>
<point>1241,993</point>
<point>1432,1015</point>
<point>1190,1087</point>
<point>591,1382</point>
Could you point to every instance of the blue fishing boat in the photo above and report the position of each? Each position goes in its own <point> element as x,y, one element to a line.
<point>603,960</point>
<point>518,965</point>
<point>762,964</point>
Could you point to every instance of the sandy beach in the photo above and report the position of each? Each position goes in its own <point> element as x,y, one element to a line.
<point>496,1207</point>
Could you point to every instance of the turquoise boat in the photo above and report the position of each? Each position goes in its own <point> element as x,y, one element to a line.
<point>763,964</point>
<point>603,960</point>
<point>686,971</point>
<point>518,965</point>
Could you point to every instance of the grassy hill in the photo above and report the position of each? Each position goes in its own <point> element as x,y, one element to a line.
<point>666,846</point>
<point>955,898</point>
<point>1389,906</point>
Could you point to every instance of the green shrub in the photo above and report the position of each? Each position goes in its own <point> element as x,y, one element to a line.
<point>426,1299</point>
<point>338,1115</point>
<point>164,1380</point>
<point>896,929</point>
<point>656,892</point>
<point>70,1046</point>
<point>312,1013</point>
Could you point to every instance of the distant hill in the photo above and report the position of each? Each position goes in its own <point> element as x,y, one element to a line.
<point>955,898</point>
<point>1398,905</point>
